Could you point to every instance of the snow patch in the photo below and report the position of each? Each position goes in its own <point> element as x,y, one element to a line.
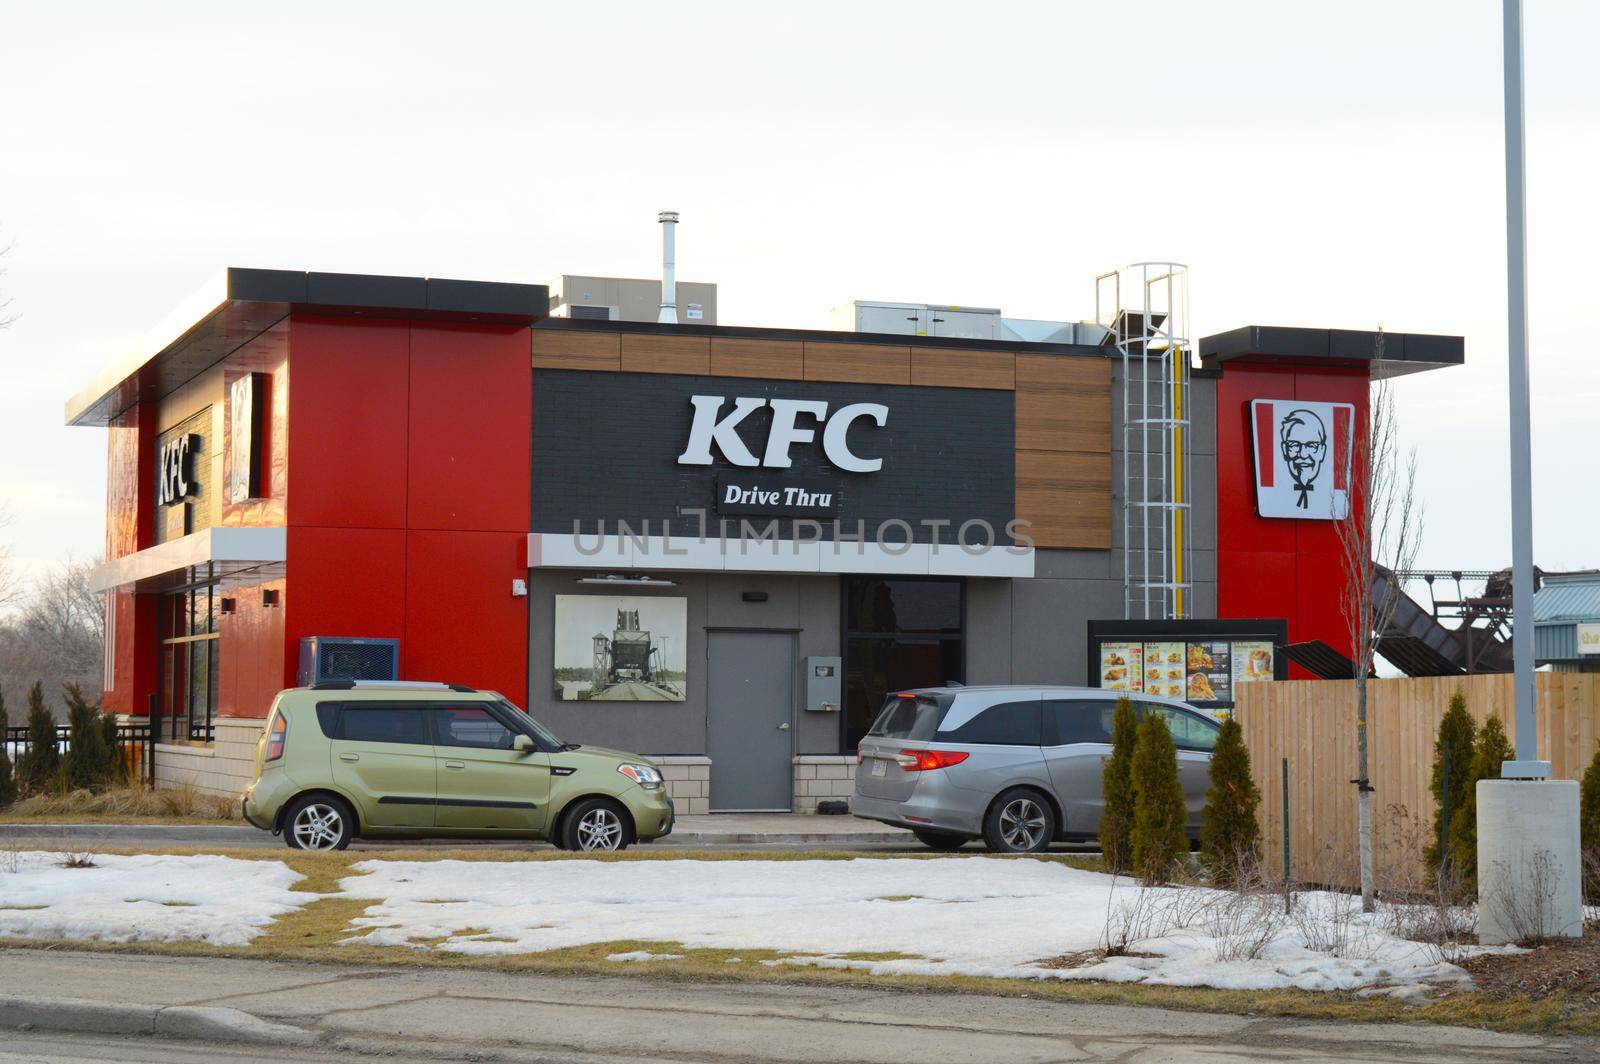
<point>1013,916</point>
<point>145,898</point>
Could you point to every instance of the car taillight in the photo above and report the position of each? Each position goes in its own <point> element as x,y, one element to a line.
<point>927,760</point>
<point>276,734</point>
<point>858,755</point>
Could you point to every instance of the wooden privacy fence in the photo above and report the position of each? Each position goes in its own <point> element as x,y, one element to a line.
<point>1312,723</point>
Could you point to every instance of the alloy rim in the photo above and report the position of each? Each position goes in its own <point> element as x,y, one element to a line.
<point>318,827</point>
<point>1022,824</point>
<point>599,829</point>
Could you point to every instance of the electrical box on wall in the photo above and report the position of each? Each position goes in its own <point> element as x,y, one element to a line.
<point>822,685</point>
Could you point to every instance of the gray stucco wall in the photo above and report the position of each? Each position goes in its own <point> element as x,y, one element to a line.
<point>806,606</point>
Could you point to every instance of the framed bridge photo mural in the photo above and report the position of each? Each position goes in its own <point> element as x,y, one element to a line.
<point>621,648</point>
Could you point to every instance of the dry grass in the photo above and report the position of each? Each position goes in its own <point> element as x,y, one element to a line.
<point>137,803</point>
<point>312,933</point>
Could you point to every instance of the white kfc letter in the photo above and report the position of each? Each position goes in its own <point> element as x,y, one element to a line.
<point>834,438</point>
<point>784,433</point>
<point>707,430</point>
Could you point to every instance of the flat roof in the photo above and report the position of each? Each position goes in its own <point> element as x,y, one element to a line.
<point>822,336</point>
<point>240,304</point>
<point>1400,353</point>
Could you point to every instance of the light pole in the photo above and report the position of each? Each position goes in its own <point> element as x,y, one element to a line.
<point>1530,879</point>
<point>1527,765</point>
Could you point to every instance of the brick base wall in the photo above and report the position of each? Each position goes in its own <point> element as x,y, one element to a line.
<point>688,781</point>
<point>223,767</point>
<point>820,777</point>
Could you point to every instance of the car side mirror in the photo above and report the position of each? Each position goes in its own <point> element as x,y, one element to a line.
<point>523,744</point>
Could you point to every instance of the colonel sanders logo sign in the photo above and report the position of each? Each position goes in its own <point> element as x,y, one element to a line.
<point>1302,458</point>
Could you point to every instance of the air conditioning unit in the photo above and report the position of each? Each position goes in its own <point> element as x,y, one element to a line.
<point>327,657</point>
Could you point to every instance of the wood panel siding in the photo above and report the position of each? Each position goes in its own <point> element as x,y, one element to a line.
<point>1309,722</point>
<point>938,367</point>
<point>761,359</point>
<point>560,349</point>
<point>1066,497</point>
<point>1064,449</point>
<point>653,353</point>
<point>860,363</point>
<point>1063,403</point>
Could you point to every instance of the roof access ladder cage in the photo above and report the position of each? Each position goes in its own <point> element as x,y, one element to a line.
<point>1145,308</point>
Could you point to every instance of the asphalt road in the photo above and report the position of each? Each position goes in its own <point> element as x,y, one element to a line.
<point>313,1011</point>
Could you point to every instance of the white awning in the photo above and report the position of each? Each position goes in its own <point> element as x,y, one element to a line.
<point>548,550</point>
<point>209,554</point>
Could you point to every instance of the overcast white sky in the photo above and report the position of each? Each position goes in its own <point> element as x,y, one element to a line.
<point>1331,164</point>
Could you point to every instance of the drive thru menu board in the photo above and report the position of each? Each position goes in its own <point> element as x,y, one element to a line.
<point>1205,667</point>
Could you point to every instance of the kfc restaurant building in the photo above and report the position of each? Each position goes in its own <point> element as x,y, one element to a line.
<point>717,546</point>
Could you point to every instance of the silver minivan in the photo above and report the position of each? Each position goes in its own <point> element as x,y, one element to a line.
<point>1016,766</point>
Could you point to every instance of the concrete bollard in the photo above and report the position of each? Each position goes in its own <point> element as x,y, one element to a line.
<point>1530,875</point>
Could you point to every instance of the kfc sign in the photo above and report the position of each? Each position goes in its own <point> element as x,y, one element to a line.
<point>1302,454</point>
<point>713,428</point>
<point>175,469</point>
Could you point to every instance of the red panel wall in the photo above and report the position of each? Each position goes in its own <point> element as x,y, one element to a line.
<point>408,507</point>
<point>251,645</point>
<point>347,429</point>
<point>471,426</point>
<point>462,623</point>
<point>1272,567</point>
<point>342,581</point>
<point>130,518</point>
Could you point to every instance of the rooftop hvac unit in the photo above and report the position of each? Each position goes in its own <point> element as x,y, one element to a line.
<point>326,657</point>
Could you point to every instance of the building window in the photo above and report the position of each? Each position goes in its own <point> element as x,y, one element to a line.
<point>190,663</point>
<point>900,632</point>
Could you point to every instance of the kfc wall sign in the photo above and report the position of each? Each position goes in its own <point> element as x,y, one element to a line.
<point>1302,454</point>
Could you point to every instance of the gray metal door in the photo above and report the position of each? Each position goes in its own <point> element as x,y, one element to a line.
<point>751,704</point>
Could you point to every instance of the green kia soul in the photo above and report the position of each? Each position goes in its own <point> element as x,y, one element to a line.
<point>344,759</point>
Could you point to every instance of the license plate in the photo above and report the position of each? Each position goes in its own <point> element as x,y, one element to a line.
<point>879,767</point>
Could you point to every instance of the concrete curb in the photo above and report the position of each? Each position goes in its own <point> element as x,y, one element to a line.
<point>198,1022</point>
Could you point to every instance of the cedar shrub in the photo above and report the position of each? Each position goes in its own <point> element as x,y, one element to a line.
<point>1230,835</point>
<point>39,766</point>
<point>1457,734</point>
<point>1589,830</point>
<point>1159,812</point>
<point>8,782</point>
<point>87,765</point>
<point>1116,790</point>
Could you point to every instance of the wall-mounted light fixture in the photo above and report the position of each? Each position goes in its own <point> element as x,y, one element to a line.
<point>620,580</point>
<point>271,597</point>
<point>754,596</point>
<point>227,606</point>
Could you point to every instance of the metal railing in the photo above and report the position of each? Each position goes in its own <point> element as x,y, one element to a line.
<point>133,746</point>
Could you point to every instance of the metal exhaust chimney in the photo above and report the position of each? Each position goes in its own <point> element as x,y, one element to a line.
<point>669,269</point>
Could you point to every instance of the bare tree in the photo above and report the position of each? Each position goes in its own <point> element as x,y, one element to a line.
<point>10,580</point>
<point>1378,535</point>
<point>56,636</point>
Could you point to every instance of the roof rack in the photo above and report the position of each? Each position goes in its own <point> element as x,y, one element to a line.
<point>410,685</point>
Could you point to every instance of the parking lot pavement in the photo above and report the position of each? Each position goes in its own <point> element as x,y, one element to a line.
<point>718,830</point>
<point>265,1010</point>
<point>775,832</point>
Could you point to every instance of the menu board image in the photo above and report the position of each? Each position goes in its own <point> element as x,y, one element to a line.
<point>1252,661</point>
<point>1209,672</point>
<point>1164,669</point>
<point>1201,661</point>
<point>1121,666</point>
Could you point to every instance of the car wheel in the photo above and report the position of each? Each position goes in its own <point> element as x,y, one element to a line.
<point>596,824</point>
<point>318,822</point>
<point>1019,821</point>
<point>941,841</point>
